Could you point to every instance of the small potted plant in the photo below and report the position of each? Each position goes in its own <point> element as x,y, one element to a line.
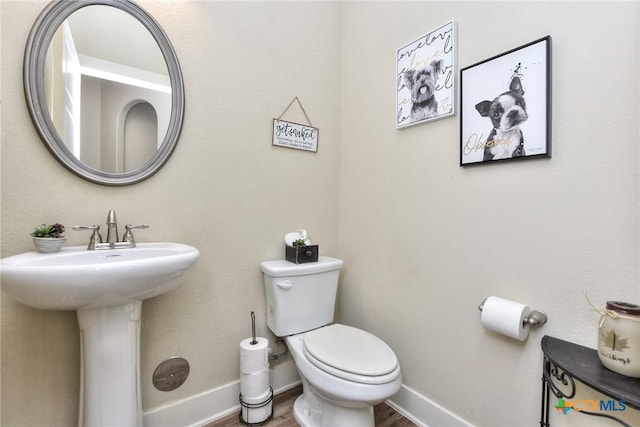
<point>48,238</point>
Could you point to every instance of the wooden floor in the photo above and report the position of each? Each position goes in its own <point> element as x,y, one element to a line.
<point>283,414</point>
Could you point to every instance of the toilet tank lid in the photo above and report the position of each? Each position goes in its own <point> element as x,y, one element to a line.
<point>282,268</point>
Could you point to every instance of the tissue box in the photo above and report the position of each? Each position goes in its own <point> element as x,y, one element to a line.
<point>301,254</point>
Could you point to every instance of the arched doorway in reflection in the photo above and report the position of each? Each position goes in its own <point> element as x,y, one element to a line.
<point>140,136</point>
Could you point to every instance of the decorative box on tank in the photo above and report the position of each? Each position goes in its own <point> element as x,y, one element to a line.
<point>301,254</point>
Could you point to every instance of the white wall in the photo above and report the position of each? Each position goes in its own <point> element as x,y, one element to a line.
<point>424,240</point>
<point>226,190</point>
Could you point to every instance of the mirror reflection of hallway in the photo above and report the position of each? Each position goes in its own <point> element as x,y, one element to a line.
<point>140,139</point>
<point>114,71</point>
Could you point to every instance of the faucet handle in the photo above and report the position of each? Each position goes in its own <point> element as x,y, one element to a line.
<point>92,239</point>
<point>128,235</point>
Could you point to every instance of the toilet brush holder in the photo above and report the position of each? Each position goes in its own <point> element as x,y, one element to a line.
<point>301,254</point>
<point>257,411</point>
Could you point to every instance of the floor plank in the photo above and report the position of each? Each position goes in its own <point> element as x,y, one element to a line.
<point>385,415</point>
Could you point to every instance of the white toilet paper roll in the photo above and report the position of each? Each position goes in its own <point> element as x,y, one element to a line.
<point>254,357</point>
<point>258,409</point>
<point>254,385</point>
<point>506,317</point>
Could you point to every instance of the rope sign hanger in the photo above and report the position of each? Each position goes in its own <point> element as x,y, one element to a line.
<point>295,135</point>
<point>295,99</point>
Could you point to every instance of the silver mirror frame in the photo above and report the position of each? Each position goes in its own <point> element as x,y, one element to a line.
<point>38,42</point>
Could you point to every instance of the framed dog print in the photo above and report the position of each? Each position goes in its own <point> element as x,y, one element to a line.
<point>425,71</point>
<point>505,111</point>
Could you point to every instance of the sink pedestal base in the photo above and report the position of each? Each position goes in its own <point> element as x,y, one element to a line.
<point>110,366</point>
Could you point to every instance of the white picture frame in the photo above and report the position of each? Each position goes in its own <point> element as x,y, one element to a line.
<point>425,77</point>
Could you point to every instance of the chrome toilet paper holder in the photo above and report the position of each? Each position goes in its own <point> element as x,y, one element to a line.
<point>535,318</point>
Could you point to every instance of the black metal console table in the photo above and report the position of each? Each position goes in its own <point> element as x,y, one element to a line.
<point>565,362</point>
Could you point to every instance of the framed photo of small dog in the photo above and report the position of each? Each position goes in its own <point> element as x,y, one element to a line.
<point>505,111</point>
<point>425,71</point>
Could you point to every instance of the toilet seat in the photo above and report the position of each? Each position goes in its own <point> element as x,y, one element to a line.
<point>351,354</point>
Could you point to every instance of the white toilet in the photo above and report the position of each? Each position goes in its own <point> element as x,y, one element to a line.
<point>345,371</point>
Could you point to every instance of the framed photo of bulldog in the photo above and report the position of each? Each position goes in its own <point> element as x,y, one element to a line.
<point>425,77</point>
<point>505,111</point>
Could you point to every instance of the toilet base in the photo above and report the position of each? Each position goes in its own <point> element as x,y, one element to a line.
<point>322,413</point>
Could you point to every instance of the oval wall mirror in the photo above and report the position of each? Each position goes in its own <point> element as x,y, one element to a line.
<point>104,89</point>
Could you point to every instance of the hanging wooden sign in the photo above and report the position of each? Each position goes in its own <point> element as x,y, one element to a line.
<point>295,135</point>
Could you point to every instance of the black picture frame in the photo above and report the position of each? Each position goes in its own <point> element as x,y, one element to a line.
<point>505,106</point>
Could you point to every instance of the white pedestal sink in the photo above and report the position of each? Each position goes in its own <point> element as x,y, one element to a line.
<point>106,288</point>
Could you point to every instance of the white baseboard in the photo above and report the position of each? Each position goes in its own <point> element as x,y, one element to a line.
<point>423,411</point>
<point>217,403</point>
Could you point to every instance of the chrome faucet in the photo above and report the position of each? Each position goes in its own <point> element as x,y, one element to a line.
<point>95,241</point>
<point>112,227</point>
<point>95,235</point>
<point>127,237</point>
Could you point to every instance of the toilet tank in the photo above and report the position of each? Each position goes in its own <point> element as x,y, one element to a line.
<point>300,297</point>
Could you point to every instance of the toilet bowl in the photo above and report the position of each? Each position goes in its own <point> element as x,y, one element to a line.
<point>345,371</point>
